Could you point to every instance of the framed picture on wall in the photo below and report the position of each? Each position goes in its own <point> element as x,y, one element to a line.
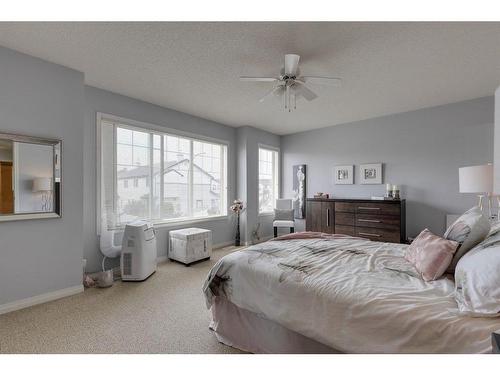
<point>344,175</point>
<point>370,173</point>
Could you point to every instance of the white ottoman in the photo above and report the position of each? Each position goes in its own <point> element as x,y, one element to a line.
<point>190,245</point>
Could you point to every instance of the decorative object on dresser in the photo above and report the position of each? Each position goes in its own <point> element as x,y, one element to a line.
<point>370,173</point>
<point>395,192</point>
<point>388,191</point>
<point>477,179</point>
<point>344,175</point>
<point>283,216</point>
<point>322,195</point>
<point>379,221</point>
<point>299,191</point>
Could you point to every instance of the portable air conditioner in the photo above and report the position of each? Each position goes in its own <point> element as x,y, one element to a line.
<point>138,256</point>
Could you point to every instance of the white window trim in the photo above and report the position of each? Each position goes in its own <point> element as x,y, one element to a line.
<point>161,130</point>
<point>278,166</point>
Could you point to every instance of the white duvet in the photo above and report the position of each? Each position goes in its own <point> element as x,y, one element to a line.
<point>353,295</point>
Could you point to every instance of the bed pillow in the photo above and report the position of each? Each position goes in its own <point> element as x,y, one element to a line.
<point>495,228</point>
<point>468,230</point>
<point>477,280</point>
<point>283,214</point>
<point>430,254</point>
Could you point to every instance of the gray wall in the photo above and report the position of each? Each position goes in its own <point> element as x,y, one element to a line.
<point>5,155</point>
<point>496,161</point>
<point>421,151</point>
<point>43,99</point>
<point>97,100</point>
<point>248,139</point>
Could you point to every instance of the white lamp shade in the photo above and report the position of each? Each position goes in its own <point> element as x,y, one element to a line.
<point>476,179</point>
<point>42,184</point>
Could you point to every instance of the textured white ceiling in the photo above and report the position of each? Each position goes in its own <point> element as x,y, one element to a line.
<point>194,67</point>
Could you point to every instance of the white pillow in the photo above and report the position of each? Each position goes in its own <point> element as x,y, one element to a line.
<point>468,230</point>
<point>477,280</point>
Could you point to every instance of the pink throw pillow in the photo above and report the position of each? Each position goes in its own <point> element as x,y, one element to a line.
<point>430,254</point>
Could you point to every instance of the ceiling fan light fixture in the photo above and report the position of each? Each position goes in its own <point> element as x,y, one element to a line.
<point>291,84</point>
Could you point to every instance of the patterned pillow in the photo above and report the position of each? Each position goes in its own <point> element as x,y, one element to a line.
<point>477,280</point>
<point>495,228</point>
<point>430,254</point>
<point>468,230</point>
<point>283,214</point>
<point>491,240</point>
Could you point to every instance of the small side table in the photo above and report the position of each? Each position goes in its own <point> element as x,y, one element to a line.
<point>190,245</point>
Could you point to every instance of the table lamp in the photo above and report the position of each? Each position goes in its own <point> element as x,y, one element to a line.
<point>477,179</point>
<point>44,185</point>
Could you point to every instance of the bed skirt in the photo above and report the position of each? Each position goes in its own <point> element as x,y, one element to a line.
<point>247,331</point>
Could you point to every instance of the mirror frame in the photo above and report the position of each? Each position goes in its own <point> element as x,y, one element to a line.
<point>40,141</point>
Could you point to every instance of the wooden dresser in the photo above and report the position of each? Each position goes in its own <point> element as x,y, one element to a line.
<point>377,220</point>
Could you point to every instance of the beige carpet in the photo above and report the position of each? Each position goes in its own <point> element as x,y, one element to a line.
<point>165,314</point>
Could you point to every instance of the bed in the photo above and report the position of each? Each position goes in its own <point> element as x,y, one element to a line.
<point>318,293</point>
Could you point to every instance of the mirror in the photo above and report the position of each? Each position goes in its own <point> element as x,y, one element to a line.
<point>30,177</point>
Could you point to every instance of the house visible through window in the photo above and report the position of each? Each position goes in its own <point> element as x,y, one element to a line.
<point>268,179</point>
<point>173,177</point>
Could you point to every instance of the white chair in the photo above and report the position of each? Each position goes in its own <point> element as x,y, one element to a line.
<point>283,204</point>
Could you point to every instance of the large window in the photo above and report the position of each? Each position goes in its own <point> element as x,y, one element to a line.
<point>157,176</point>
<point>268,179</point>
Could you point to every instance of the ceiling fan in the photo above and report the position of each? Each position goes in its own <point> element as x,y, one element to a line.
<point>291,85</point>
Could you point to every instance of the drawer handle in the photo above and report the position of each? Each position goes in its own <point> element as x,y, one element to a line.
<point>369,234</point>
<point>368,208</point>
<point>369,221</point>
<point>327,217</point>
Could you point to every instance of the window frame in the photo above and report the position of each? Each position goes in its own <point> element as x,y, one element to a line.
<point>276,183</point>
<point>163,131</point>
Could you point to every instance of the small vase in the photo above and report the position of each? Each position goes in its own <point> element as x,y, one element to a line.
<point>237,237</point>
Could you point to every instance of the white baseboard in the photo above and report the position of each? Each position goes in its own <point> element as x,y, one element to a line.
<point>222,244</point>
<point>42,298</point>
<point>161,259</point>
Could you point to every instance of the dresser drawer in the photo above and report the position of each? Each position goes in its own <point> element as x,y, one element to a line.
<point>344,218</point>
<point>344,207</point>
<point>378,234</point>
<point>378,221</point>
<point>345,229</point>
<point>378,209</point>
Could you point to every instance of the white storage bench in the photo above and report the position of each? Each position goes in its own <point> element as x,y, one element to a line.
<point>190,245</point>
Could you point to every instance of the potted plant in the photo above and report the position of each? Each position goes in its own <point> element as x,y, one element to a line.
<point>237,207</point>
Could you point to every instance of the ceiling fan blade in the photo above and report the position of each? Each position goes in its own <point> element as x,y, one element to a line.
<point>317,80</point>
<point>305,92</point>
<point>258,79</point>
<point>291,64</point>
<point>270,93</point>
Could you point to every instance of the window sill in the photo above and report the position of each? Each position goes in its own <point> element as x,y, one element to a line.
<point>177,223</point>
<point>265,214</point>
